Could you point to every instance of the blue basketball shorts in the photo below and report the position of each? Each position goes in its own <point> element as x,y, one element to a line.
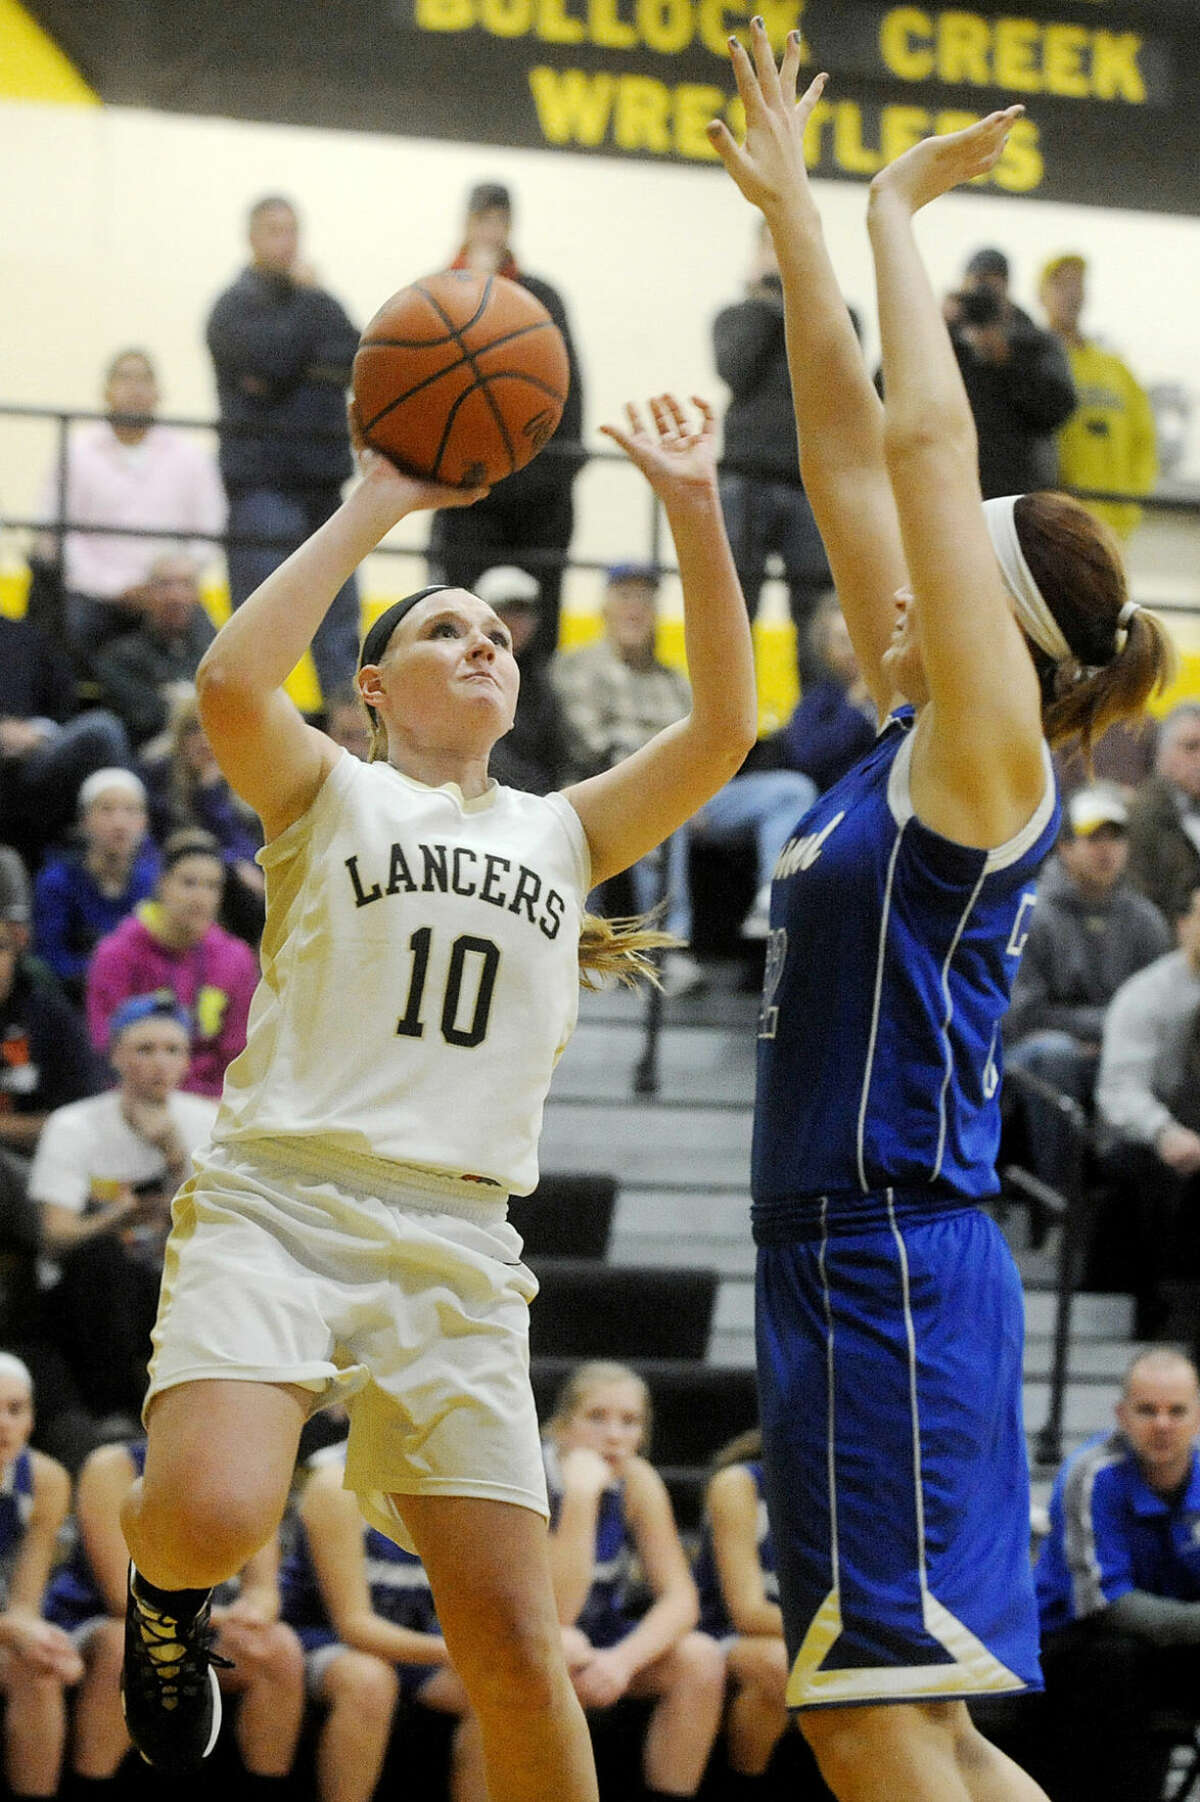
<point>890,1368</point>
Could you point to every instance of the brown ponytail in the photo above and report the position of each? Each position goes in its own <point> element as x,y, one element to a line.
<point>1076,562</point>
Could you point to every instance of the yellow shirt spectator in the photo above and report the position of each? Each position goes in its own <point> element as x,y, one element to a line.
<point>1109,442</point>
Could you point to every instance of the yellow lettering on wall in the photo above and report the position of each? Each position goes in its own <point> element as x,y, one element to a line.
<point>963,44</point>
<point>849,151</point>
<point>780,17</point>
<point>642,116</point>
<point>445,15</point>
<point>573,107</point>
<point>695,105</point>
<point>1064,61</point>
<point>607,28</point>
<point>906,43</point>
<point>900,128</point>
<point>716,22</point>
<point>1021,166</point>
<point>665,25</point>
<point>555,25</point>
<point>1115,72</point>
<point>506,18</point>
<point>1015,56</point>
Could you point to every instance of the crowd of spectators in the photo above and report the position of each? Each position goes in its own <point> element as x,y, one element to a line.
<point>131,906</point>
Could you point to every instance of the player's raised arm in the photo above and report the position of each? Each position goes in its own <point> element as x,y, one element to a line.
<point>271,757</point>
<point>839,421</point>
<point>629,809</point>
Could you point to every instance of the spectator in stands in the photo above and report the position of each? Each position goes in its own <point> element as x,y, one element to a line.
<point>137,671</point>
<point>1118,1583</point>
<point>347,725</point>
<point>1164,817</point>
<point>834,722</point>
<point>1148,1099</point>
<point>533,754</point>
<point>615,695</point>
<point>103,1176</point>
<point>364,1612</point>
<point>45,753</point>
<point>173,946</point>
<point>1109,442</point>
<point>37,1660</point>
<point>766,509</point>
<point>1017,379</point>
<point>86,1598</point>
<point>608,1506</point>
<point>528,518</point>
<point>1089,932</point>
<point>282,349</point>
<point>739,1607</point>
<point>84,893</point>
<point>46,1059</point>
<point>186,791</point>
<point>126,471</point>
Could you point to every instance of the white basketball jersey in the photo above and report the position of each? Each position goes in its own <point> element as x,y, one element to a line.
<point>420,975</point>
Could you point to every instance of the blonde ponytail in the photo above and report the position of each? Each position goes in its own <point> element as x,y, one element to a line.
<point>620,949</point>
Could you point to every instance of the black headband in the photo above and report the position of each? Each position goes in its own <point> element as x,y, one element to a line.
<point>376,641</point>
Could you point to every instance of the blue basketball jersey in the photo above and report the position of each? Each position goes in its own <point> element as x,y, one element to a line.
<point>73,1594</point>
<point>890,963</point>
<point>16,1506</point>
<point>396,1579</point>
<point>602,1617</point>
<point>714,1615</point>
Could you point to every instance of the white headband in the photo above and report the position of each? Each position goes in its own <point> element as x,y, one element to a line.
<point>1034,615</point>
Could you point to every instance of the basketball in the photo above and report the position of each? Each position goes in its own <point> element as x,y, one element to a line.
<point>460,378</point>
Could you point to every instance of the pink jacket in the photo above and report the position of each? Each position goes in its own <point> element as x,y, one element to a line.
<point>214,980</point>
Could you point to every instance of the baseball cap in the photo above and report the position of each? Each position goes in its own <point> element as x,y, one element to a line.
<point>988,261</point>
<point>631,572</point>
<point>14,888</point>
<point>160,1004</point>
<point>1066,259</point>
<point>1100,805</point>
<point>507,586</point>
<point>101,781</point>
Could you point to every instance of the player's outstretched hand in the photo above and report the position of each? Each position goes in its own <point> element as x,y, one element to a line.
<point>936,165</point>
<point>395,491</point>
<point>675,457</point>
<point>769,166</point>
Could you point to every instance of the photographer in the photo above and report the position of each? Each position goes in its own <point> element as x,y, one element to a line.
<point>1018,380</point>
<point>765,507</point>
<point>103,1177</point>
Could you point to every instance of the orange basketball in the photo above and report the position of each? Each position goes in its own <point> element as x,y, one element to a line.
<point>460,378</point>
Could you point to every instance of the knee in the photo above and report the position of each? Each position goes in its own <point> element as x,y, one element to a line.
<point>277,1656</point>
<point>699,1666</point>
<point>365,1685</point>
<point>205,1530</point>
<point>518,1669</point>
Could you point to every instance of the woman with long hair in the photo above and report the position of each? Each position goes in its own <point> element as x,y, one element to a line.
<point>346,1233</point>
<point>889,1316</point>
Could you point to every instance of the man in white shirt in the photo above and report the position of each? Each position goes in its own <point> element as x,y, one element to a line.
<point>103,1177</point>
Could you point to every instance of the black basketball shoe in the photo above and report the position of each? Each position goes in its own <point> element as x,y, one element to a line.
<point>169,1688</point>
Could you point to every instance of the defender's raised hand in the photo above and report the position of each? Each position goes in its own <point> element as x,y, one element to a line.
<point>674,456</point>
<point>769,166</point>
<point>936,165</point>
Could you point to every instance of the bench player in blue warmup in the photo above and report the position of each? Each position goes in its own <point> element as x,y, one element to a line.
<point>889,1311</point>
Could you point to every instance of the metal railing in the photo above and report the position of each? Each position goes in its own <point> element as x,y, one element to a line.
<point>1069,1207</point>
<point>655,535</point>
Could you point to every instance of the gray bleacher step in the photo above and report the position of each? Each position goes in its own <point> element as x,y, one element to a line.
<point>708,1065</point>
<point>708,1228</point>
<point>723,1003</point>
<point>1092,1316</point>
<point>645,1142</point>
<point>1087,1407</point>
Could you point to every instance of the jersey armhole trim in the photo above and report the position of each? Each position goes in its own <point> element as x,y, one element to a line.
<point>1000,857</point>
<point>285,843</point>
<point>573,827</point>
